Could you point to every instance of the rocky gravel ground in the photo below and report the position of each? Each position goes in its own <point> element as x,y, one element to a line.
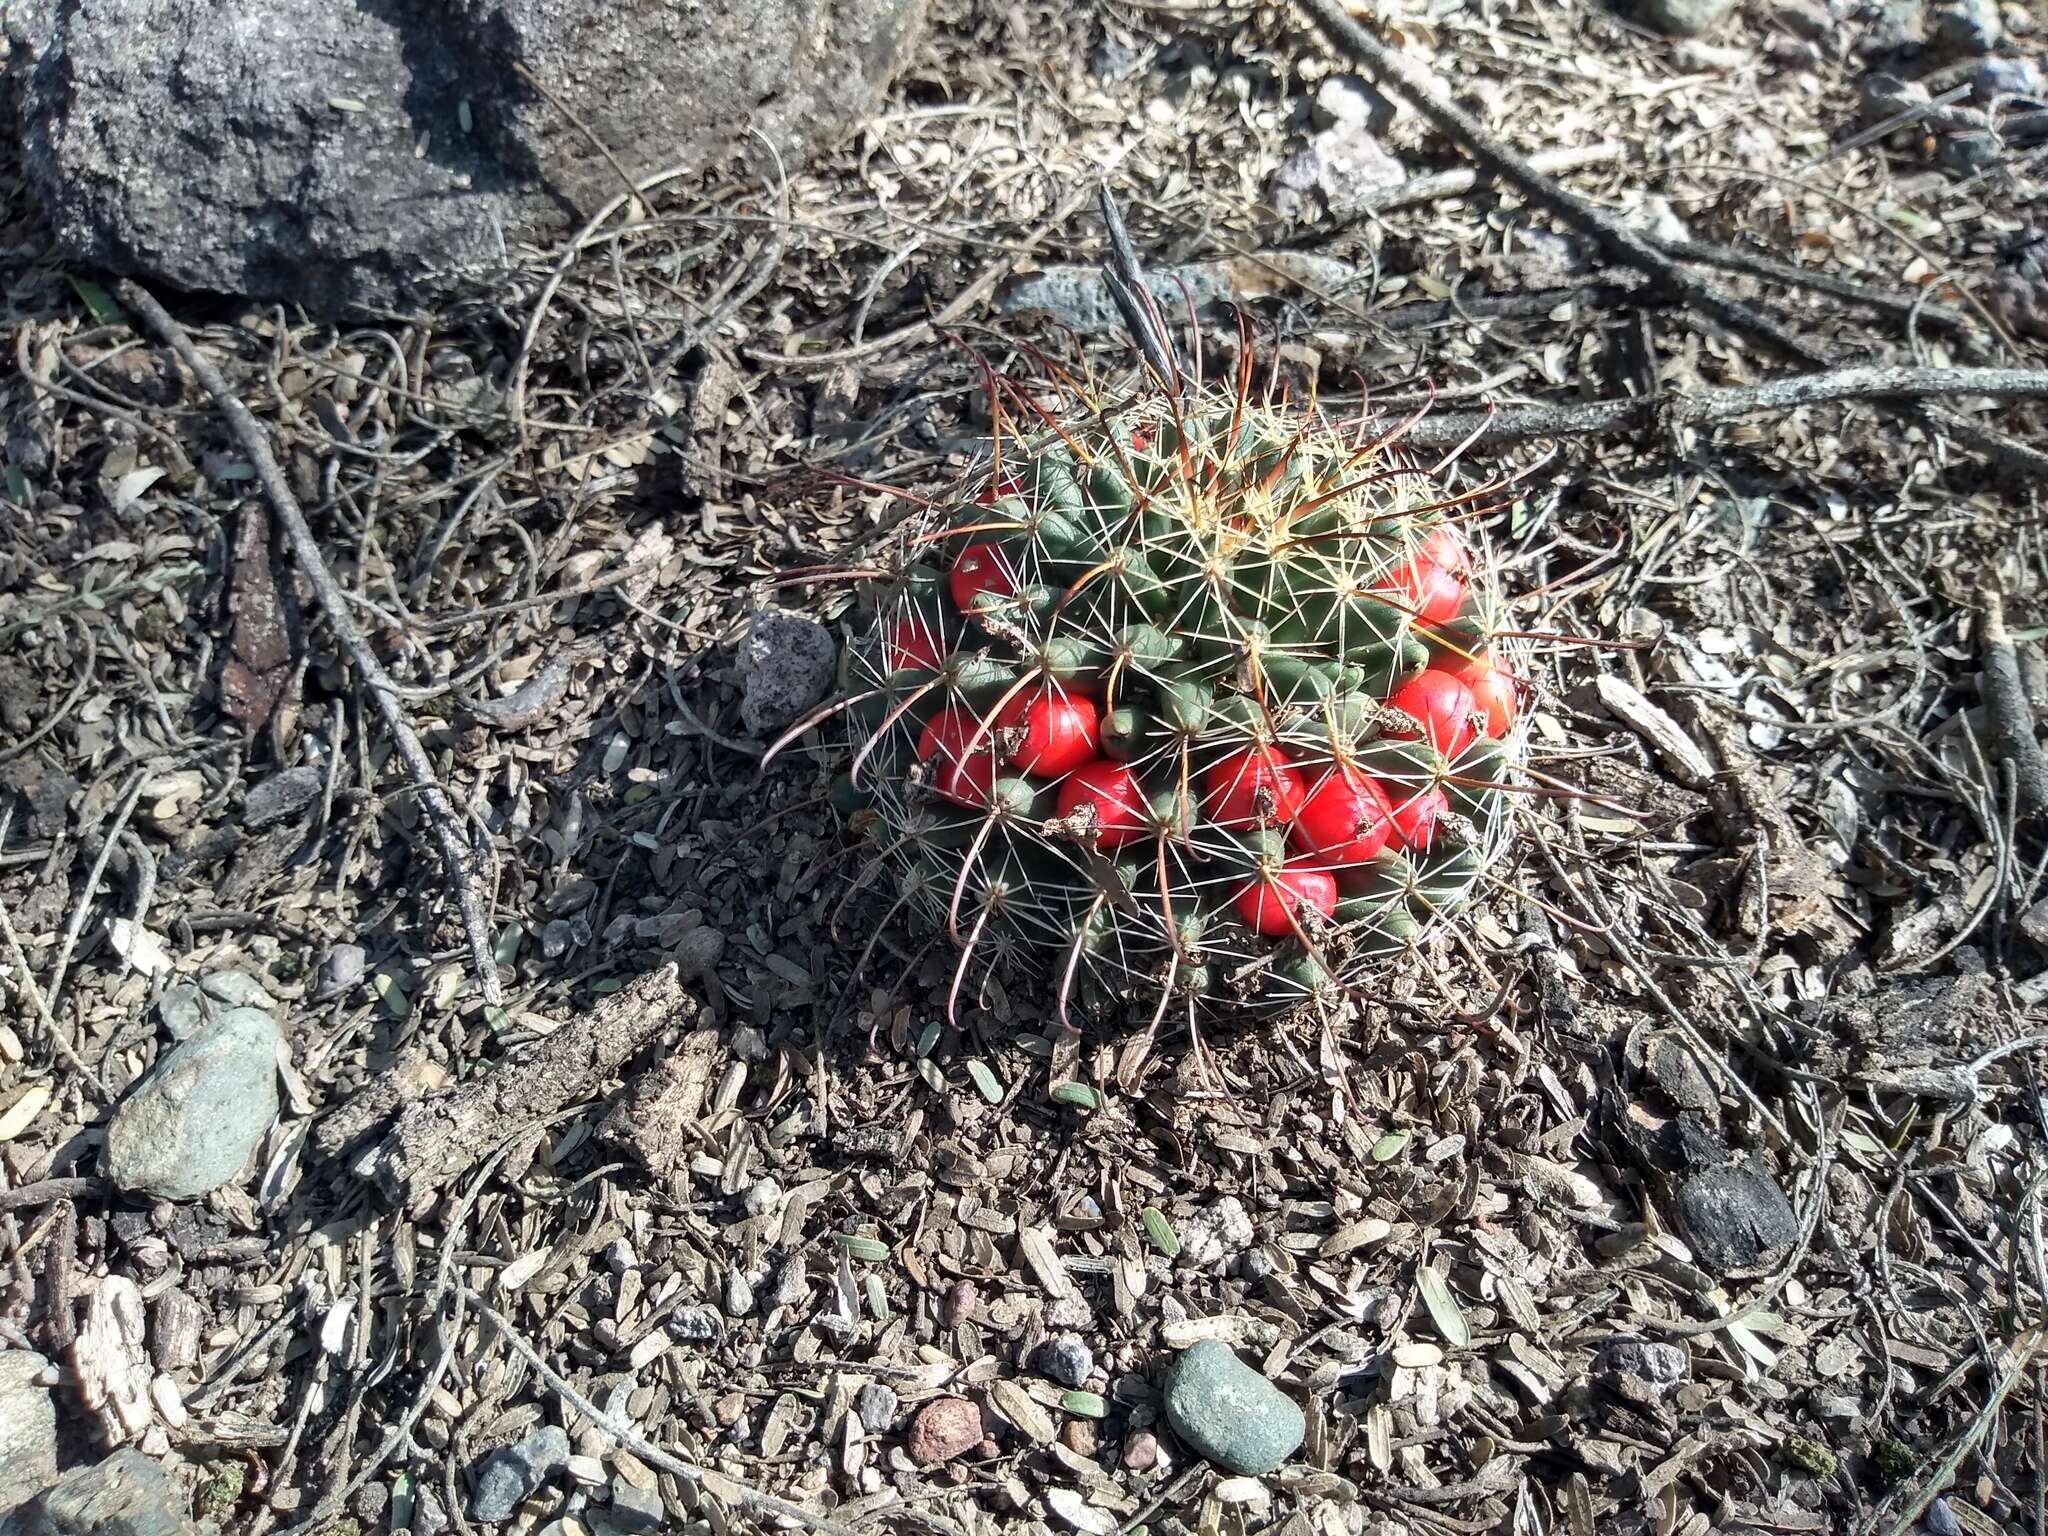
<point>1702,1194</point>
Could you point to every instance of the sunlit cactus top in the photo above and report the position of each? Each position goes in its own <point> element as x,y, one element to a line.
<point>1185,696</point>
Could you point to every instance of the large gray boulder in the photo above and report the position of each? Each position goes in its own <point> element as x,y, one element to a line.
<point>376,152</point>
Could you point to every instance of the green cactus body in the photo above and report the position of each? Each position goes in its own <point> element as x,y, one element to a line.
<point>1186,707</point>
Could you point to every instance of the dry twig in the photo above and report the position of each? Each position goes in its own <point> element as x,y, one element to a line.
<point>441,813</point>
<point>2011,716</point>
<point>1708,406</point>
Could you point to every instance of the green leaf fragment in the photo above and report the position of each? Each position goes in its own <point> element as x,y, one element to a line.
<point>1085,1405</point>
<point>1443,1307</point>
<point>1080,1095</point>
<point>985,1081</point>
<point>866,1249</point>
<point>98,301</point>
<point>1160,1230</point>
<point>1389,1146</point>
<point>391,994</point>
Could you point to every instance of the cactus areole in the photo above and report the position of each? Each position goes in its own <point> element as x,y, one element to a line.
<point>1185,696</point>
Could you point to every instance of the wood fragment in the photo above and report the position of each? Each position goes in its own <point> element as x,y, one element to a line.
<point>1686,758</point>
<point>434,1140</point>
<point>2013,737</point>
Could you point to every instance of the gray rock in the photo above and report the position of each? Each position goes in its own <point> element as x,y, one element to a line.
<point>739,1294</point>
<point>342,155</point>
<point>1219,1231</point>
<point>1892,26</point>
<point>1735,1217</point>
<point>1067,1360</point>
<point>697,952</point>
<point>127,1494</point>
<point>192,1124</point>
<point>2005,77</point>
<point>877,1407</point>
<point>1352,99</point>
<point>1228,1413</point>
<point>787,663</point>
<point>1333,175</point>
<point>1683,18</point>
<point>181,1010</point>
<point>696,1325</point>
<point>1662,1365</point>
<point>1965,28</point>
<point>342,967</point>
<point>236,989</point>
<point>281,795</point>
<point>28,1429</point>
<point>1970,151</point>
<point>512,1474</point>
<point>634,1508</point>
<point>429,1514</point>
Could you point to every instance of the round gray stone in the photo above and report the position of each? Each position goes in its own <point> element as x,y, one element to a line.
<point>195,1119</point>
<point>1228,1413</point>
<point>787,663</point>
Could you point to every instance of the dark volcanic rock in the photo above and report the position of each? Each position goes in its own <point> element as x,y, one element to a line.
<point>1735,1217</point>
<point>372,153</point>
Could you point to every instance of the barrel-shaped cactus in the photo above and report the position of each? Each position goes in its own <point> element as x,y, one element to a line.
<point>1186,696</point>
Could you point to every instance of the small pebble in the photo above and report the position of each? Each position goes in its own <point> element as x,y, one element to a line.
<point>1141,1450</point>
<point>2005,77</point>
<point>1221,1231</point>
<point>695,1325</point>
<point>1228,1413</point>
<point>510,1475</point>
<point>877,1406</point>
<point>1658,1363</point>
<point>739,1295</point>
<point>786,663</point>
<point>1079,1436</point>
<point>698,952</point>
<point>960,1299</point>
<point>762,1196</point>
<point>944,1428</point>
<point>340,970</point>
<point>181,1010</point>
<point>237,989</point>
<point>635,1509</point>
<point>1067,1360</point>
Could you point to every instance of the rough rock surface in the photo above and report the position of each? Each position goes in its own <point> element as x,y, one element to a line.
<point>787,662</point>
<point>1228,1413</point>
<point>125,1495</point>
<point>944,1428</point>
<point>28,1429</point>
<point>511,1473</point>
<point>368,154</point>
<point>192,1124</point>
<point>1683,18</point>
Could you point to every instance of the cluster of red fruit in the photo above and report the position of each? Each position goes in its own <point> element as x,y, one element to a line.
<point>1332,815</point>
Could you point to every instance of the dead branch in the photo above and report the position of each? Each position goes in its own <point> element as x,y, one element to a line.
<point>1929,315</point>
<point>432,1141</point>
<point>441,814</point>
<point>1616,240</point>
<point>1428,188</point>
<point>2010,716</point>
<point>1709,406</point>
